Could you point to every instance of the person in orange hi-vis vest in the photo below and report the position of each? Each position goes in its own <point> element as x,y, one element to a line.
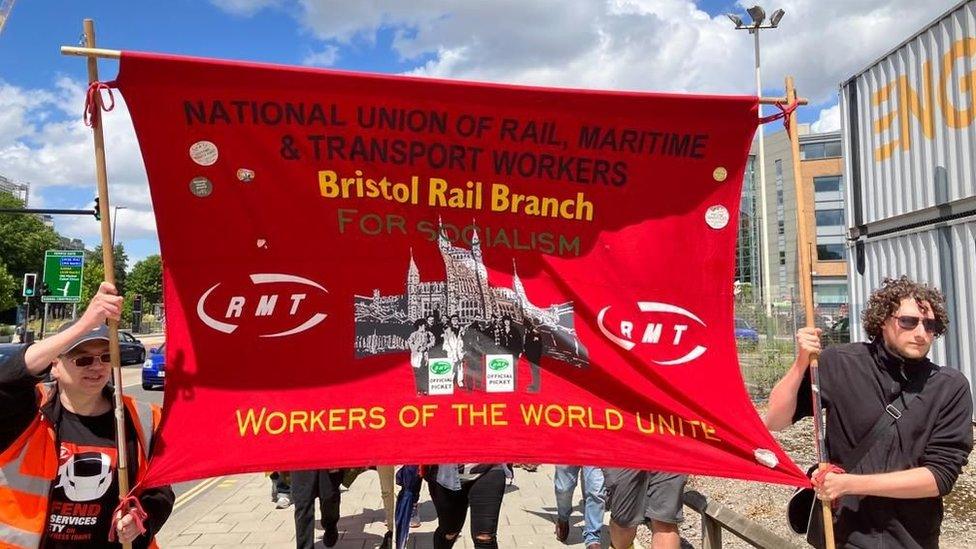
<point>58,456</point>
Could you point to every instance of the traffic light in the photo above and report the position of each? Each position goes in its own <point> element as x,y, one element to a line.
<point>30,280</point>
<point>137,303</point>
<point>45,290</point>
<point>98,211</point>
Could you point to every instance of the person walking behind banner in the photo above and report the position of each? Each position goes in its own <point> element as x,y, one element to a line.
<point>280,489</point>
<point>387,475</point>
<point>305,487</point>
<point>58,451</point>
<point>635,497</point>
<point>905,462</point>
<point>419,343</point>
<point>456,487</point>
<point>565,480</point>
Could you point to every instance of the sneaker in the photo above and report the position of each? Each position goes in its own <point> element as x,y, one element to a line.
<point>284,501</point>
<point>415,517</point>
<point>387,541</point>
<point>330,537</point>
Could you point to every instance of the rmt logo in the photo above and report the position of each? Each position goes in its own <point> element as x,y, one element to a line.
<point>283,313</point>
<point>667,329</point>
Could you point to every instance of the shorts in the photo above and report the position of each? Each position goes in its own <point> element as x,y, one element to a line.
<point>634,496</point>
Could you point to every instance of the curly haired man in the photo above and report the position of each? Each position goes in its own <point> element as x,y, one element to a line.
<point>892,496</point>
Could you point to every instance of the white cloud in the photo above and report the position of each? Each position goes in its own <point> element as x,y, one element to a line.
<point>324,58</point>
<point>244,8</point>
<point>17,106</point>
<point>664,45</point>
<point>829,120</point>
<point>45,142</point>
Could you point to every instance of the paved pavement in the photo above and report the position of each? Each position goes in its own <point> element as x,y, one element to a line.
<point>236,511</point>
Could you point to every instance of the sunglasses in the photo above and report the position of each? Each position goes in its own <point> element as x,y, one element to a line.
<point>86,361</point>
<point>908,322</point>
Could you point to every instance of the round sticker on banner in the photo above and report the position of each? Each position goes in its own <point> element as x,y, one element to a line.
<point>717,217</point>
<point>245,175</point>
<point>766,457</point>
<point>720,174</point>
<point>201,187</point>
<point>204,153</point>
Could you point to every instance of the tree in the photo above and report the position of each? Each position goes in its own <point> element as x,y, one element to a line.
<point>127,307</point>
<point>146,278</point>
<point>93,277</point>
<point>94,257</point>
<point>23,241</point>
<point>8,289</point>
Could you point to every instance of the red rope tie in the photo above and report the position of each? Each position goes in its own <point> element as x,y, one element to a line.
<point>784,112</point>
<point>820,474</point>
<point>94,104</point>
<point>129,505</point>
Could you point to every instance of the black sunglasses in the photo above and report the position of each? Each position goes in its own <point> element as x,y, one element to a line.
<point>908,322</point>
<point>86,361</point>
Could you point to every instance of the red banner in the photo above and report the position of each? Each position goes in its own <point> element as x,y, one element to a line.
<point>367,269</point>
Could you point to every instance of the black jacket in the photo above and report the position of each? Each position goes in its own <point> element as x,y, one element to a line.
<point>857,381</point>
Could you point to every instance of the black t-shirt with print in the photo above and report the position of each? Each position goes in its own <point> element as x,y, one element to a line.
<point>85,491</point>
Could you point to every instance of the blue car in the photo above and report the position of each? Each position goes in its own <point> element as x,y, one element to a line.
<point>744,332</point>
<point>154,368</point>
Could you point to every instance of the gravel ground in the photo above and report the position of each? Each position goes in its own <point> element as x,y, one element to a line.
<point>766,503</point>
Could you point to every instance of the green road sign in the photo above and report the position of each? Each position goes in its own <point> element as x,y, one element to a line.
<point>62,275</point>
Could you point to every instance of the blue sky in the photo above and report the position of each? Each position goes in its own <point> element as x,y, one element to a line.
<point>666,45</point>
<point>29,58</point>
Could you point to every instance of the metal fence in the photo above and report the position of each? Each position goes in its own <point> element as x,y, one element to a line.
<point>767,343</point>
<point>57,317</point>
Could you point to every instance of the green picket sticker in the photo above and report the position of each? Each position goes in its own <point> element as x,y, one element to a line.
<point>440,367</point>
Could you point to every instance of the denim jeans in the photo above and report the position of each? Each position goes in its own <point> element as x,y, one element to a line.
<point>593,498</point>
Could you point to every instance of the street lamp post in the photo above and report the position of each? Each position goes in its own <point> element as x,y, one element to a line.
<point>758,16</point>
<point>115,222</point>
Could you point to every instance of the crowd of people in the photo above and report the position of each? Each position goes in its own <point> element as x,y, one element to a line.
<point>633,497</point>
<point>58,487</point>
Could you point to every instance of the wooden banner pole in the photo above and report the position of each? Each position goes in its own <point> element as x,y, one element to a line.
<point>108,263</point>
<point>805,247</point>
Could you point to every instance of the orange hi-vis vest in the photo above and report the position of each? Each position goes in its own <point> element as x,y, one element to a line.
<point>30,465</point>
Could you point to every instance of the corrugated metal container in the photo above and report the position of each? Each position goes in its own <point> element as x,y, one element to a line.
<point>944,256</point>
<point>909,138</point>
<point>912,122</point>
